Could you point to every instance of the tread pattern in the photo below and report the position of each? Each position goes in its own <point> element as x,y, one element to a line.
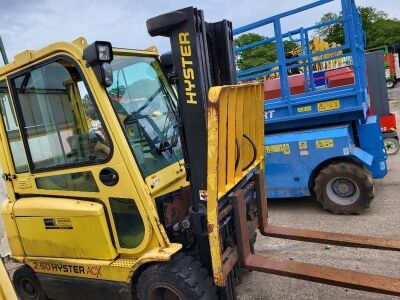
<point>187,275</point>
<point>354,171</point>
<point>27,272</point>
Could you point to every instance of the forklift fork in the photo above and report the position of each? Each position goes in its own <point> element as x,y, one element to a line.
<point>306,271</point>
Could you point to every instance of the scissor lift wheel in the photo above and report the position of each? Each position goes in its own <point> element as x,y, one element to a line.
<point>344,188</point>
<point>390,83</point>
<point>391,145</point>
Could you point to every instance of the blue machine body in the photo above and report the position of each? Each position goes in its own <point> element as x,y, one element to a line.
<point>306,131</point>
<point>294,158</point>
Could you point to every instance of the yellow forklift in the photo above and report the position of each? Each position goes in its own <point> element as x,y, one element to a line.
<point>120,189</point>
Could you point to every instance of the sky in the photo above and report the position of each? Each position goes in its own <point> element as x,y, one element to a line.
<point>33,24</point>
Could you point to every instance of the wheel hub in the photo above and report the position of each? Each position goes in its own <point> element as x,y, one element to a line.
<point>342,191</point>
<point>391,145</point>
<point>28,287</point>
<point>164,292</point>
<point>343,187</point>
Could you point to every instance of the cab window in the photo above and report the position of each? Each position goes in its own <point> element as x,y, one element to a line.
<point>59,121</point>
<point>12,130</point>
<point>145,107</point>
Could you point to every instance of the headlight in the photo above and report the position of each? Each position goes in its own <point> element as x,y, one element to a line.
<point>104,52</point>
<point>99,56</point>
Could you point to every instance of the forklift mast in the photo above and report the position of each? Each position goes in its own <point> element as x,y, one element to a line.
<point>202,57</point>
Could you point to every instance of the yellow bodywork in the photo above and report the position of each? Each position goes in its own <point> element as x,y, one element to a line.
<point>233,111</point>
<point>95,242</point>
<point>7,291</point>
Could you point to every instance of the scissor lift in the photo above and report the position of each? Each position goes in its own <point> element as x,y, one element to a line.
<point>318,120</point>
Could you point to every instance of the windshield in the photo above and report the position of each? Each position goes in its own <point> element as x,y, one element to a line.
<point>145,107</point>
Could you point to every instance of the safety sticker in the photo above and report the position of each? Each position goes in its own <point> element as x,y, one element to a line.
<point>303,145</point>
<point>328,105</point>
<point>304,109</point>
<point>303,152</point>
<point>154,181</point>
<point>327,143</point>
<point>285,148</point>
<point>58,223</point>
<point>203,195</point>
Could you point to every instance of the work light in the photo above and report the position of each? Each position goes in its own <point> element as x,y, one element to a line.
<point>104,52</point>
<point>99,56</point>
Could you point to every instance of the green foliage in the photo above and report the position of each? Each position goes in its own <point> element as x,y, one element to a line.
<point>384,32</point>
<point>333,33</point>
<point>89,107</point>
<point>379,29</point>
<point>260,55</point>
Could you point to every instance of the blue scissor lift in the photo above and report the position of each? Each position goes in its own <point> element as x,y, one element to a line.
<point>321,141</point>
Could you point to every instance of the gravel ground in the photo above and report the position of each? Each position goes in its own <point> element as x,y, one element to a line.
<point>381,219</point>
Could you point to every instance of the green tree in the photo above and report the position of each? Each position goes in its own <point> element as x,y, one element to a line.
<point>379,29</point>
<point>384,32</point>
<point>332,33</point>
<point>260,55</point>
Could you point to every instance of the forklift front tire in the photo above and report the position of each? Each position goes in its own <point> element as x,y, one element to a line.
<point>182,278</point>
<point>344,188</point>
<point>27,285</point>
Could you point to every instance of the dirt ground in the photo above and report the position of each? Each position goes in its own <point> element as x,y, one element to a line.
<point>381,219</point>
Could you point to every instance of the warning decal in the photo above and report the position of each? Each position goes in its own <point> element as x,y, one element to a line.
<point>303,145</point>
<point>328,105</point>
<point>304,109</point>
<point>285,148</point>
<point>327,143</point>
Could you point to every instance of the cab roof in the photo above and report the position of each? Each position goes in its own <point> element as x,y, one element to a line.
<point>74,48</point>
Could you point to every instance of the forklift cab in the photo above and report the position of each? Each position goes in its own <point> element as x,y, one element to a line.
<point>60,145</point>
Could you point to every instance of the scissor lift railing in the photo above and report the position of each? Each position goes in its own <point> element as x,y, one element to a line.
<point>290,110</point>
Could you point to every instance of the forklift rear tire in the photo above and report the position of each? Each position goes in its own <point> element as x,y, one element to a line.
<point>344,188</point>
<point>182,278</point>
<point>27,285</point>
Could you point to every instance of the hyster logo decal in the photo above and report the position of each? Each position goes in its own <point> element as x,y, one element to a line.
<point>187,67</point>
<point>58,223</point>
<point>90,271</point>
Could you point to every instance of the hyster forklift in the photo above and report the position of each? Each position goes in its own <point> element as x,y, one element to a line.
<point>119,189</point>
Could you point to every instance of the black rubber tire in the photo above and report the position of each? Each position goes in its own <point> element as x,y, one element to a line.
<point>390,83</point>
<point>183,274</point>
<point>396,145</point>
<point>357,174</point>
<point>23,276</point>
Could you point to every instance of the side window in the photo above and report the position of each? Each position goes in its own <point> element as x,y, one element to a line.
<point>59,120</point>
<point>11,127</point>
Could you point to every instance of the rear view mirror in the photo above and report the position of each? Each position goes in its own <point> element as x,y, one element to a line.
<point>168,64</point>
